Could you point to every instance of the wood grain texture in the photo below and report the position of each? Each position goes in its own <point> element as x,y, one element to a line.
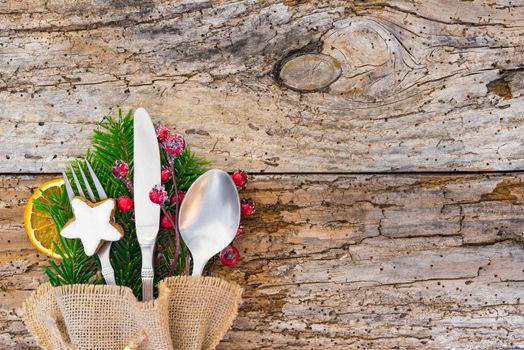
<point>292,88</point>
<point>343,262</point>
<point>423,86</point>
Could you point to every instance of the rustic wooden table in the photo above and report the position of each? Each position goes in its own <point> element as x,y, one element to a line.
<point>385,139</point>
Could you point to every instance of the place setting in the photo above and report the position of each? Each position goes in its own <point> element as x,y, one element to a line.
<point>134,231</point>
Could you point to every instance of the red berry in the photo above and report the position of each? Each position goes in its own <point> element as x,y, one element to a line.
<point>181,196</point>
<point>247,207</point>
<point>120,169</point>
<point>158,195</point>
<point>165,223</point>
<point>125,203</point>
<point>165,175</point>
<point>175,144</point>
<point>240,230</point>
<point>162,133</point>
<point>229,256</point>
<point>239,178</point>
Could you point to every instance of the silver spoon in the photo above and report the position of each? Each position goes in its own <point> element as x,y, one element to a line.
<point>209,216</point>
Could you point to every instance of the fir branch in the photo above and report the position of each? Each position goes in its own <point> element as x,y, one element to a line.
<point>188,167</point>
<point>75,267</point>
<point>111,141</point>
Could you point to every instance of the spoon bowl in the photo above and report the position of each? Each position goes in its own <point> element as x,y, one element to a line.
<point>209,216</point>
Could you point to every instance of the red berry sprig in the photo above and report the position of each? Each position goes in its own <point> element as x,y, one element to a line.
<point>125,203</point>
<point>165,222</point>
<point>120,169</point>
<point>158,194</point>
<point>181,196</point>
<point>165,175</point>
<point>247,207</point>
<point>239,177</point>
<point>229,256</point>
<point>121,172</point>
<point>175,144</point>
<point>162,133</point>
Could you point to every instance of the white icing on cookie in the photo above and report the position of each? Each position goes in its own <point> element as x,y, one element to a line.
<point>92,224</point>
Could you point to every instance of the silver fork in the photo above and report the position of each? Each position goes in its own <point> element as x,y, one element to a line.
<point>103,251</point>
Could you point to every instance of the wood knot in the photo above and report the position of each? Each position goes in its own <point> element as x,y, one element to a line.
<point>310,72</point>
<point>358,58</point>
<point>375,64</point>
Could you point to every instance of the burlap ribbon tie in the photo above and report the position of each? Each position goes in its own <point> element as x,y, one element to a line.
<point>190,313</point>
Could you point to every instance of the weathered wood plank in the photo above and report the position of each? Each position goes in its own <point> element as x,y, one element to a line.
<point>348,261</point>
<point>418,88</point>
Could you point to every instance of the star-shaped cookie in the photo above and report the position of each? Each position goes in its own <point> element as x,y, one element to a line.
<point>92,224</point>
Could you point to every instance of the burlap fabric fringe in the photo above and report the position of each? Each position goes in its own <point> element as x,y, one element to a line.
<point>190,313</point>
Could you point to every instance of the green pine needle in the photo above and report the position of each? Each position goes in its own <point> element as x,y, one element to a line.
<point>75,267</point>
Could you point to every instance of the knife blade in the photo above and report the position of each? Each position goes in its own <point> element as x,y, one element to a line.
<point>147,166</point>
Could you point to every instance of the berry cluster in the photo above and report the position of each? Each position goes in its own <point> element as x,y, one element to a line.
<point>121,172</point>
<point>174,145</point>
<point>230,255</point>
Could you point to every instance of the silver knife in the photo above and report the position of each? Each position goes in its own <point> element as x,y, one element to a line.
<point>146,175</point>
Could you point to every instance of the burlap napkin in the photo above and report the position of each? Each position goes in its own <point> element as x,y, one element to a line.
<point>190,313</point>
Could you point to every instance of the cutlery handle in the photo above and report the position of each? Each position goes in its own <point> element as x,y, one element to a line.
<point>109,275</point>
<point>107,269</point>
<point>198,267</point>
<point>147,271</point>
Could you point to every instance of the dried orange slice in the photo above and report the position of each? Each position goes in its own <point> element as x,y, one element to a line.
<point>40,227</point>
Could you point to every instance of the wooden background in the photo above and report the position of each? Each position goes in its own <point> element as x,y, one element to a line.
<point>385,139</point>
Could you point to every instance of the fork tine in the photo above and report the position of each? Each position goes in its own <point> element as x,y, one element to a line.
<point>101,193</point>
<point>78,187</point>
<point>70,193</point>
<point>88,186</point>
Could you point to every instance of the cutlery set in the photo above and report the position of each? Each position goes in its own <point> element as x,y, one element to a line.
<point>208,217</point>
